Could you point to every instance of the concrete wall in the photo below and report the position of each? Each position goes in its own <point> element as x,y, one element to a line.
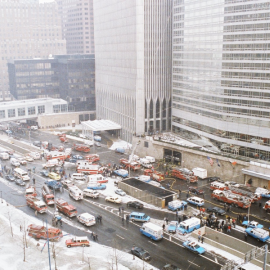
<point>63,119</point>
<point>229,244</point>
<point>192,158</point>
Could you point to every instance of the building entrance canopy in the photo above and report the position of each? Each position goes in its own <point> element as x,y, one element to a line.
<point>89,128</point>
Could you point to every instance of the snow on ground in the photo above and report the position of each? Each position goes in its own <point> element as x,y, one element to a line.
<point>121,144</point>
<point>12,249</point>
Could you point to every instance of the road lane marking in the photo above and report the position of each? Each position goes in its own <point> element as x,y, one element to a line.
<point>193,263</point>
<point>152,243</point>
<point>120,236</point>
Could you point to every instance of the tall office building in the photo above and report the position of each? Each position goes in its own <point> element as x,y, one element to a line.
<point>221,63</point>
<point>78,25</point>
<point>133,64</point>
<point>27,30</point>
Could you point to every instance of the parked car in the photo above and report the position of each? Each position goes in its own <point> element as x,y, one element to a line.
<point>10,177</point>
<point>141,253</point>
<point>54,176</point>
<point>114,199</point>
<point>77,157</point>
<point>135,204</point>
<point>28,158</point>
<point>37,143</point>
<point>172,226</point>
<point>193,246</point>
<point>44,173</point>
<point>121,172</point>
<point>19,182</point>
<point>216,210</point>
<point>252,224</point>
<point>22,161</point>
<point>120,192</point>
<point>170,267</point>
<point>195,190</point>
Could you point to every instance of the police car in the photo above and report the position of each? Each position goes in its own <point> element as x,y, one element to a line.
<point>193,246</point>
<point>172,226</point>
<point>252,224</point>
<point>259,234</point>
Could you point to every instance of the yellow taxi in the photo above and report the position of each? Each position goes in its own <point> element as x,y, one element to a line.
<point>54,176</point>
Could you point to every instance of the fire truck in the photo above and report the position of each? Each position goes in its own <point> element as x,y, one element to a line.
<point>63,138</point>
<point>184,174</point>
<point>30,192</point>
<point>253,196</point>
<point>155,175</point>
<point>132,165</point>
<point>59,155</point>
<point>92,158</point>
<point>267,206</point>
<point>82,148</point>
<point>36,204</point>
<point>48,197</point>
<point>66,208</point>
<point>231,198</point>
<point>40,232</point>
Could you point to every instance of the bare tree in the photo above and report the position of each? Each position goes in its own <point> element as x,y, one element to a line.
<point>11,229</point>
<point>54,255</point>
<point>88,262</point>
<point>115,257</point>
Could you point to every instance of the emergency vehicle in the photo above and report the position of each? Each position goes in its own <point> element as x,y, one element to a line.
<point>66,208</point>
<point>22,174</point>
<point>75,193</point>
<point>88,168</point>
<point>92,158</point>
<point>258,233</point>
<point>41,232</point>
<point>184,174</point>
<point>87,219</point>
<point>231,198</point>
<point>36,204</point>
<point>152,231</point>
<point>217,185</point>
<point>30,191</point>
<point>189,225</point>
<point>82,148</point>
<point>132,165</point>
<point>59,155</point>
<point>155,175</point>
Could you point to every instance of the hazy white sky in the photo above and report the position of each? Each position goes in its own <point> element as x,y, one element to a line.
<point>43,1</point>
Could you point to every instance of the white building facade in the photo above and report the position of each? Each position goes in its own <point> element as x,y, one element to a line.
<point>133,64</point>
<point>221,66</point>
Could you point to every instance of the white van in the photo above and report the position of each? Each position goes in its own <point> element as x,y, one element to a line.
<point>75,193</point>
<point>51,163</point>
<point>34,127</point>
<point>87,219</point>
<point>20,173</point>
<point>144,178</point>
<point>95,177</point>
<point>4,156</point>
<point>134,158</point>
<point>152,231</point>
<point>35,155</point>
<point>90,193</point>
<point>144,161</point>
<point>14,162</point>
<point>151,159</point>
<point>78,176</point>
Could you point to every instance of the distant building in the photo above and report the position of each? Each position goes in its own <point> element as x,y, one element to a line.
<point>70,77</point>
<point>133,47</point>
<point>77,25</point>
<point>28,30</point>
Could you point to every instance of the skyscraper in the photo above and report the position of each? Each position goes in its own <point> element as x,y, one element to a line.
<point>221,86</point>
<point>133,64</point>
<point>28,30</point>
<point>78,25</point>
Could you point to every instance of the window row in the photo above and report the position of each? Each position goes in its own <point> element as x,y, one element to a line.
<point>21,111</point>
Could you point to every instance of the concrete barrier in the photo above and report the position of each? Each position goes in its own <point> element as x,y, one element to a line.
<point>229,244</point>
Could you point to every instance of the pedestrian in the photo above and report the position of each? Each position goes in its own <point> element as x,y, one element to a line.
<point>164,220</point>
<point>199,238</point>
<point>34,181</point>
<point>179,219</point>
<point>260,204</point>
<point>246,236</point>
<point>123,221</point>
<point>36,213</point>
<point>187,195</point>
<point>20,228</point>
<point>163,227</point>
<point>229,228</point>
<point>61,223</point>
<point>34,169</point>
<point>119,211</point>
<point>176,213</point>
<point>202,239</point>
<point>167,221</point>
<point>96,237</point>
<point>123,209</point>
<point>233,222</point>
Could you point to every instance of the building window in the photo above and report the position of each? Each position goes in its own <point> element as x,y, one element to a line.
<point>21,111</point>
<point>41,109</point>
<point>11,112</point>
<point>63,107</point>
<point>2,114</point>
<point>56,108</point>
<point>31,110</point>
<point>146,144</point>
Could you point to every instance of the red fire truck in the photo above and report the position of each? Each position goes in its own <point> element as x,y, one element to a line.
<point>132,165</point>
<point>82,148</point>
<point>184,174</point>
<point>92,158</point>
<point>66,208</point>
<point>155,175</point>
<point>231,198</point>
<point>40,232</point>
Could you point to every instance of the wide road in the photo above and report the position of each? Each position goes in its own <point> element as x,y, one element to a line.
<point>114,234</point>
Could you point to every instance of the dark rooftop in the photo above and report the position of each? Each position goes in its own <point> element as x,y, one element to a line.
<point>158,192</point>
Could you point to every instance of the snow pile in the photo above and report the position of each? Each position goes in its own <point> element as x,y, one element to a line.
<point>121,144</point>
<point>16,253</point>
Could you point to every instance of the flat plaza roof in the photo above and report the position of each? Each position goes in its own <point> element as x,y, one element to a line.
<point>158,192</point>
<point>100,125</point>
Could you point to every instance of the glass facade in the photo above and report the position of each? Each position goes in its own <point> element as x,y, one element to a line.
<point>221,63</point>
